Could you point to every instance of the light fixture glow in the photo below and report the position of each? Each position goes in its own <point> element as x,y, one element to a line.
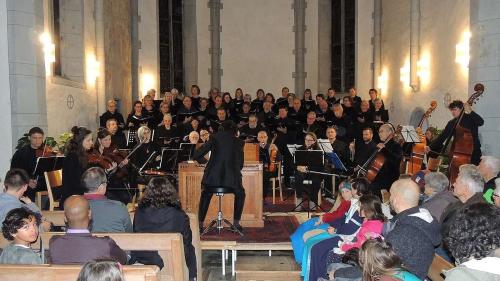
<point>147,83</point>
<point>93,68</point>
<point>423,68</point>
<point>404,73</point>
<point>462,55</point>
<point>48,51</point>
<point>383,82</point>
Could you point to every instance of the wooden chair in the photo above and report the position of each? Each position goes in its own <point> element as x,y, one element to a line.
<point>438,267</point>
<point>169,246</point>
<point>53,179</point>
<point>48,272</point>
<point>276,184</point>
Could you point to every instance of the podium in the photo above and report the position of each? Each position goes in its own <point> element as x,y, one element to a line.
<point>190,176</point>
<point>251,152</point>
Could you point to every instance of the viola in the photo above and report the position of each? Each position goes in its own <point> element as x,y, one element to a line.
<point>44,151</point>
<point>94,157</point>
<point>272,157</point>
<point>418,150</point>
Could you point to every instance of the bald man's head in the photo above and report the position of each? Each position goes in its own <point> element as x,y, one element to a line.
<point>77,212</point>
<point>404,195</point>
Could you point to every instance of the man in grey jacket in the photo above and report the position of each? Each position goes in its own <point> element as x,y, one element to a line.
<point>438,195</point>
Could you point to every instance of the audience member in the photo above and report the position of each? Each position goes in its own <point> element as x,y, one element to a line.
<point>160,211</point>
<point>474,241</point>
<point>489,168</point>
<point>101,271</point>
<point>495,195</point>
<point>78,245</point>
<point>21,227</point>
<point>380,262</point>
<point>438,195</point>
<point>16,183</point>
<point>108,215</point>
<point>413,232</point>
<point>468,188</point>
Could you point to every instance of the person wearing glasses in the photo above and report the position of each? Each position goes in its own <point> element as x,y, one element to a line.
<point>303,176</point>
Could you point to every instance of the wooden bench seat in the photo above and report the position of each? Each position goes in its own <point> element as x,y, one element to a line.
<point>438,267</point>
<point>169,247</point>
<point>47,272</point>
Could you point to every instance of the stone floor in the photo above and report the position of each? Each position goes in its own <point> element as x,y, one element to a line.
<point>212,262</point>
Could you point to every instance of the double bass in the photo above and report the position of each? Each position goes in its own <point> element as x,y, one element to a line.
<point>418,149</point>
<point>462,145</point>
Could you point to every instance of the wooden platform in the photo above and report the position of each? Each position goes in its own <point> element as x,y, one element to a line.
<point>267,268</point>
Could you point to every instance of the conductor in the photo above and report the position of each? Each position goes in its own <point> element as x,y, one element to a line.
<point>222,170</point>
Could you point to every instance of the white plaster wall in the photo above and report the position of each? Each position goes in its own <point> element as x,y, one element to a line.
<point>442,24</point>
<point>72,48</point>
<point>203,38</point>
<point>364,47</point>
<point>6,141</point>
<point>148,36</point>
<point>257,41</point>
<point>312,47</point>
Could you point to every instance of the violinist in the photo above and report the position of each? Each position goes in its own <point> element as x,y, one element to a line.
<point>301,175</point>
<point>145,149</point>
<point>25,158</point>
<point>393,154</point>
<point>470,120</point>
<point>117,137</point>
<point>111,113</point>
<point>166,133</point>
<point>76,162</point>
<point>265,149</point>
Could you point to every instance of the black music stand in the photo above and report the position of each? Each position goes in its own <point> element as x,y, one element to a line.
<point>169,159</point>
<point>411,137</point>
<point>47,164</point>
<point>309,158</point>
<point>187,151</point>
<point>131,138</point>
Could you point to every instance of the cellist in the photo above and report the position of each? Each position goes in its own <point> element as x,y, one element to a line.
<point>265,149</point>
<point>470,120</point>
<point>393,154</point>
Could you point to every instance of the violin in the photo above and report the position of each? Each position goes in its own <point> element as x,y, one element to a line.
<point>272,157</point>
<point>44,151</point>
<point>94,157</point>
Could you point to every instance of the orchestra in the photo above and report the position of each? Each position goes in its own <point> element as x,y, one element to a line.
<point>347,124</point>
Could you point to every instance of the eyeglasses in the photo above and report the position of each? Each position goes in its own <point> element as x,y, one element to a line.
<point>494,195</point>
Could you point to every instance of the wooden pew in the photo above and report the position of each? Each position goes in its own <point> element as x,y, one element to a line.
<point>47,272</point>
<point>438,267</point>
<point>169,247</point>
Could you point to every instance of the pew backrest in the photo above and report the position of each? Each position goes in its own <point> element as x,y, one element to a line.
<point>438,267</point>
<point>47,272</point>
<point>169,246</point>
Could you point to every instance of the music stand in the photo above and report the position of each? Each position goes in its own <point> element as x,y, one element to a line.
<point>410,136</point>
<point>131,138</point>
<point>186,153</point>
<point>309,158</point>
<point>169,159</point>
<point>47,164</point>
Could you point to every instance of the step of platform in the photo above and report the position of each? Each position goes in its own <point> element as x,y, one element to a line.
<point>260,268</point>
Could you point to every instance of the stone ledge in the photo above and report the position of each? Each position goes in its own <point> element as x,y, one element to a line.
<point>59,80</point>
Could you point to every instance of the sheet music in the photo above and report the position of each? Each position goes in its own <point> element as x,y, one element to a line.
<point>409,134</point>
<point>293,147</point>
<point>325,145</point>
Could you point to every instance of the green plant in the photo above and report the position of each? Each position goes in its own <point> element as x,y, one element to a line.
<point>63,140</point>
<point>23,141</point>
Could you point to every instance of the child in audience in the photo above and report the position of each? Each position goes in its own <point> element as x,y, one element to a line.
<point>380,262</point>
<point>101,270</point>
<point>371,210</point>
<point>322,222</point>
<point>21,227</point>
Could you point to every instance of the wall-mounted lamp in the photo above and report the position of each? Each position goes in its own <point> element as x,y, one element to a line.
<point>424,69</point>
<point>49,52</point>
<point>383,82</point>
<point>462,50</point>
<point>93,69</point>
<point>147,83</point>
<point>404,73</point>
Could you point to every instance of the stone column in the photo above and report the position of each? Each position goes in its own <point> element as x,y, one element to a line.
<point>190,44</point>
<point>299,16</point>
<point>215,50</point>
<point>484,67</point>
<point>324,45</point>
<point>377,41</point>
<point>6,142</point>
<point>26,66</point>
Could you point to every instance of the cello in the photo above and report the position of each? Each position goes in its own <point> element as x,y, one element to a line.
<point>418,149</point>
<point>372,166</point>
<point>462,145</point>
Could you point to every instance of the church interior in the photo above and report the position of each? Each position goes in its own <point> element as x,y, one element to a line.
<point>250,140</point>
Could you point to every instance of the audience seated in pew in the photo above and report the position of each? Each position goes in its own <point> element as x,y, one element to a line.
<point>107,215</point>
<point>413,232</point>
<point>160,211</point>
<point>437,194</point>
<point>16,183</point>
<point>489,168</point>
<point>474,241</point>
<point>495,194</point>
<point>21,227</point>
<point>78,245</point>
<point>101,270</point>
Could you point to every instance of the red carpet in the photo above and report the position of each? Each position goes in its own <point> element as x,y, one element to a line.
<point>276,229</point>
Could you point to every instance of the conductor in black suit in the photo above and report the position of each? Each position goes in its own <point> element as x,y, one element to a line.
<point>223,169</point>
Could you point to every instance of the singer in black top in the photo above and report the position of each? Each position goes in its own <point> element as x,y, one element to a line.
<point>287,134</point>
<point>364,148</point>
<point>187,112</point>
<point>393,154</point>
<point>166,134</point>
<point>111,113</point>
<point>470,120</point>
<point>137,117</point>
<point>249,132</point>
<point>223,169</point>
<point>308,183</point>
<point>265,157</point>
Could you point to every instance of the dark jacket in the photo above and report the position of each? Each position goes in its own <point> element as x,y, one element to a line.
<point>76,248</point>
<point>168,219</point>
<point>438,203</point>
<point>108,115</point>
<point>414,234</point>
<point>226,160</point>
<point>452,210</point>
<point>72,173</point>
